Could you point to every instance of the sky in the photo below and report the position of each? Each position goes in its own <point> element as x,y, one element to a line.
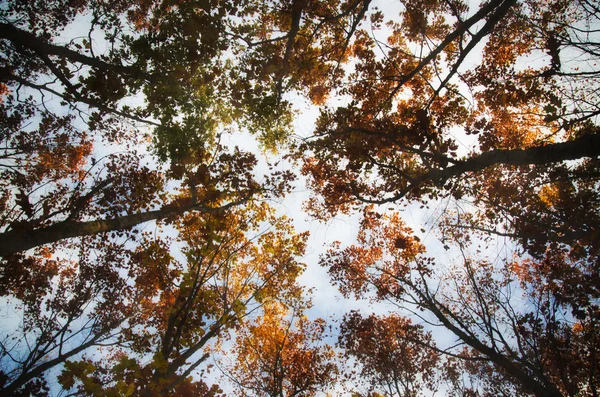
<point>327,301</point>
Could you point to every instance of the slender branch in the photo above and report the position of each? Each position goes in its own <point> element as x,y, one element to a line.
<point>6,75</point>
<point>458,32</point>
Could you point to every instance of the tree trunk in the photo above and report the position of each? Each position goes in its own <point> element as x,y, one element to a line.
<point>15,241</point>
<point>25,377</point>
<point>584,146</point>
<point>511,367</point>
<point>21,38</point>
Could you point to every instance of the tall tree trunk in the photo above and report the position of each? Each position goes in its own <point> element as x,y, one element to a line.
<point>23,39</point>
<point>584,146</point>
<point>513,368</point>
<point>15,241</point>
<point>33,373</point>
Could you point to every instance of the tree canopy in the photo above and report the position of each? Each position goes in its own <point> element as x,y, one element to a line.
<point>143,246</point>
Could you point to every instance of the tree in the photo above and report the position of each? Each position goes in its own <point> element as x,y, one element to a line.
<point>57,154</point>
<point>395,355</point>
<point>396,136</point>
<point>226,180</point>
<point>173,55</point>
<point>523,334</point>
<point>95,128</point>
<point>68,306</point>
<point>79,194</point>
<point>80,170</point>
<point>510,144</point>
<point>282,354</point>
<point>532,142</point>
<point>157,330</point>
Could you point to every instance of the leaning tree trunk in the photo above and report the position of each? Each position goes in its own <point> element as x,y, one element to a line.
<point>19,240</point>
